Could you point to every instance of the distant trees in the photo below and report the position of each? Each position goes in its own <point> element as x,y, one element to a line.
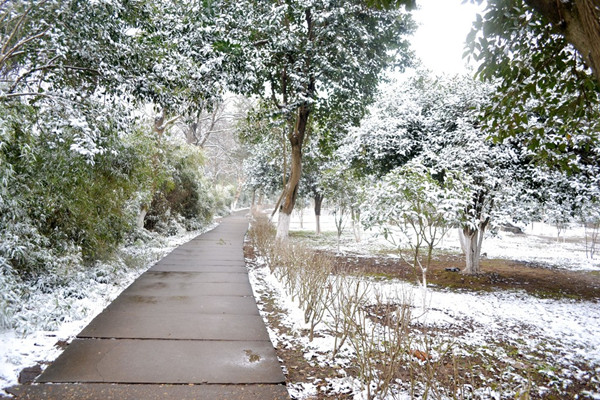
<point>436,122</point>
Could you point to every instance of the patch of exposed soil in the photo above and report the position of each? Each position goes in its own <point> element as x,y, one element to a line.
<point>497,274</point>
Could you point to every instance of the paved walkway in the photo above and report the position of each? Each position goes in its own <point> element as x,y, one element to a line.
<point>188,328</point>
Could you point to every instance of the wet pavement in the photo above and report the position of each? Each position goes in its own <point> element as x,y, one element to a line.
<point>188,328</point>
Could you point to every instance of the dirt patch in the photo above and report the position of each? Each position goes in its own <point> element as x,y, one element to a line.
<point>497,274</point>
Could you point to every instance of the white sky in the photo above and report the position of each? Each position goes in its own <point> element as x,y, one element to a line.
<point>440,37</point>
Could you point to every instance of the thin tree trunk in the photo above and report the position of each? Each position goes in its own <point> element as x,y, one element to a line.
<point>238,193</point>
<point>278,203</point>
<point>318,202</point>
<point>355,224</point>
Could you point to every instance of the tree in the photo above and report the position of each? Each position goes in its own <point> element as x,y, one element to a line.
<point>543,55</point>
<point>266,166</point>
<point>412,207</point>
<point>313,58</point>
<point>434,122</point>
<point>72,157</point>
<point>579,22</point>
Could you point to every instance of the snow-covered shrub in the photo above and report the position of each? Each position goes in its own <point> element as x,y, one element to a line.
<point>414,207</point>
<point>381,347</point>
<point>304,273</point>
<point>182,191</point>
<point>377,330</point>
<point>64,291</point>
<point>262,233</point>
<point>68,183</point>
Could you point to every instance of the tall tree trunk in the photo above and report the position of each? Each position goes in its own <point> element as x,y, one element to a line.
<point>318,202</point>
<point>290,195</point>
<point>579,22</point>
<point>291,189</point>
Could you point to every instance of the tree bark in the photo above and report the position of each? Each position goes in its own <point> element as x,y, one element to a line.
<point>318,202</point>
<point>579,22</point>
<point>142,216</point>
<point>291,189</point>
<point>472,252</point>
<point>238,193</point>
<point>473,238</point>
<point>355,214</point>
<point>461,239</point>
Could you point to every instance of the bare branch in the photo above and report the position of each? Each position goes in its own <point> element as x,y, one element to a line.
<point>20,44</point>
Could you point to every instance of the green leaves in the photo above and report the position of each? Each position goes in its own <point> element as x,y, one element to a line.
<point>544,93</point>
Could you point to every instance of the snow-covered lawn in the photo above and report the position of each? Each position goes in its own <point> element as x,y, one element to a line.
<point>539,244</point>
<point>51,319</point>
<point>516,342</point>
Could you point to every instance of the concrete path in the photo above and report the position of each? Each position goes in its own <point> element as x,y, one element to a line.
<point>188,328</point>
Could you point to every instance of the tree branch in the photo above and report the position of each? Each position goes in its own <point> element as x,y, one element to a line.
<point>9,54</point>
<point>579,22</point>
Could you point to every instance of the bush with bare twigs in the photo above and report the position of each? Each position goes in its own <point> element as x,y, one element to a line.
<point>389,355</point>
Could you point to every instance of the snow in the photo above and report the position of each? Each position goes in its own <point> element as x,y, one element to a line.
<point>538,245</point>
<point>34,343</point>
<point>561,333</point>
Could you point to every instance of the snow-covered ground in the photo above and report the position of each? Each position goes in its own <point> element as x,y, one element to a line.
<point>54,318</point>
<point>539,244</point>
<point>556,338</point>
<point>562,332</point>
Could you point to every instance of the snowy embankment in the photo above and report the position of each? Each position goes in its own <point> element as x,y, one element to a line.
<point>52,318</point>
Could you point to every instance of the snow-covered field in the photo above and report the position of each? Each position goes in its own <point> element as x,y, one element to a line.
<point>515,334</point>
<point>51,319</point>
<point>539,244</point>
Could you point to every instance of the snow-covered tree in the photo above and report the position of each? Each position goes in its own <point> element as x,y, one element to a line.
<point>415,206</point>
<point>313,58</point>
<point>545,58</point>
<point>435,122</point>
<point>72,76</point>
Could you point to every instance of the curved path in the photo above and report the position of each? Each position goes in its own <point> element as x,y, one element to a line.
<point>188,328</point>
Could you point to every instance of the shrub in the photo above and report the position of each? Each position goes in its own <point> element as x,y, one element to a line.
<point>183,193</point>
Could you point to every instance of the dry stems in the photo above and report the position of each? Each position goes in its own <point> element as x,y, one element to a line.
<point>383,342</point>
